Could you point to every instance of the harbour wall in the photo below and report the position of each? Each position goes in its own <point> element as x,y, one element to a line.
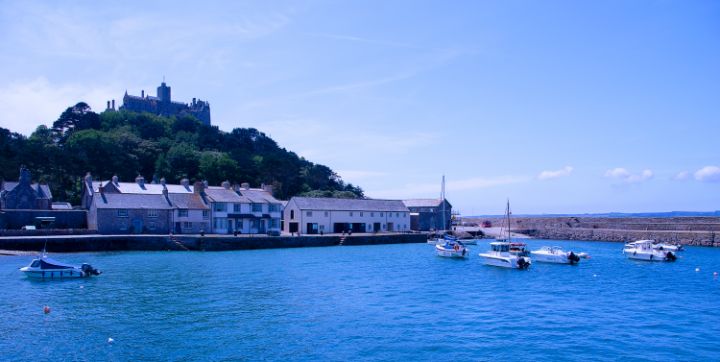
<point>79,243</point>
<point>700,231</point>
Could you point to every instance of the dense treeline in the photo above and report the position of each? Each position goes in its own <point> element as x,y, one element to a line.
<point>128,144</point>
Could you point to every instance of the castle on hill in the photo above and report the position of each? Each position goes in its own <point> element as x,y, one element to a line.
<point>163,105</point>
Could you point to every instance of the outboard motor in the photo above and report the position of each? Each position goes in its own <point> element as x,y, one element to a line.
<point>89,270</point>
<point>573,258</point>
<point>522,263</point>
<point>670,256</point>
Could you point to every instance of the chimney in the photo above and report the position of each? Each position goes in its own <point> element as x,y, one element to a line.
<point>113,104</point>
<point>142,93</point>
<point>162,182</point>
<point>185,183</point>
<point>101,188</point>
<point>236,187</point>
<point>245,186</point>
<point>206,184</point>
<point>115,180</point>
<point>108,105</point>
<point>199,187</point>
<point>140,181</point>
<point>268,189</point>
<point>226,185</point>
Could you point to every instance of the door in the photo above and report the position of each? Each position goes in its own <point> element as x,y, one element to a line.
<point>138,226</point>
<point>312,228</point>
<point>293,227</point>
<point>376,227</point>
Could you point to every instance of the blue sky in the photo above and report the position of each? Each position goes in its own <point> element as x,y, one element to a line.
<point>561,106</point>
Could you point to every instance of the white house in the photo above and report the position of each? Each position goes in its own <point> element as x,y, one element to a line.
<point>307,215</point>
<point>243,210</point>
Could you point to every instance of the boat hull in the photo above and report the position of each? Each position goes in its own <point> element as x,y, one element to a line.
<point>445,253</point>
<point>552,258</point>
<point>510,262</point>
<point>648,256</point>
<point>51,274</point>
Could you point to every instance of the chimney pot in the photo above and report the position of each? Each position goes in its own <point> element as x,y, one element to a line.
<point>245,186</point>
<point>140,181</point>
<point>226,185</point>
<point>142,93</point>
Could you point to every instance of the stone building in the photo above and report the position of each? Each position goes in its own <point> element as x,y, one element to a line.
<point>163,105</point>
<point>307,215</point>
<point>427,214</point>
<point>181,209</point>
<point>24,194</point>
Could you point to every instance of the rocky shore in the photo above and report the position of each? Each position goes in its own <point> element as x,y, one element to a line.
<point>700,231</point>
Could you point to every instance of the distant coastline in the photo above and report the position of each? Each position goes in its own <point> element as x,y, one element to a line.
<point>667,214</point>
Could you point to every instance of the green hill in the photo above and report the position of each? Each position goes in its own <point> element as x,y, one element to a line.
<point>128,144</point>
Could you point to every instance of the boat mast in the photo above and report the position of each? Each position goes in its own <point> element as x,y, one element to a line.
<point>507,212</point>
<point>442,197</point>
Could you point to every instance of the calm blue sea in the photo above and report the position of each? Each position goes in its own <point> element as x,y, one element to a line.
<point>394,302</point>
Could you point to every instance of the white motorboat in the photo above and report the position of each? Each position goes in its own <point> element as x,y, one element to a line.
<point>499,255</point>
<point>506,254</point>
<point>46,268</point>
<point>555,254</point>
<point>646,250</point>
<point>452,248</point>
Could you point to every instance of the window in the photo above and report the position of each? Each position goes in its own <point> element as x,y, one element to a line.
<point>274,208</point>
<point>308,213</point>
<point>219,206</point>
<point>327,214</point>
<point>123,227</point>
<point>220,223</point>
<point>397,214</point>
<point>187,225</point>
<point>256,207</point>
<point>351,214</point>
<point>206,214</point>
<point>322,227</point>
<point>152,213</point>
<point>292,214</point>
<point>122,213</point>
<point>182,213</point>
<point>381,214</point>
<point>372,214</point>
<point>274,223</point>
<point>255,223</point>
<point>236,207</point>
<point>151,226</point>
<point>369,227</point>
<point>361,213</point>
<point>383,226</point>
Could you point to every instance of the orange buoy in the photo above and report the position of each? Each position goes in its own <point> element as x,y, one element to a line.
<point>46,309</point>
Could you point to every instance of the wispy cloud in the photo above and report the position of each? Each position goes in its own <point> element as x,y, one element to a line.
<point>358,39</point>
<point>433,189</point>
<point>626,176</point>
<point>356,176</point>
<point>708,174</point>
<point>547,175</point>
<point>681,176</point>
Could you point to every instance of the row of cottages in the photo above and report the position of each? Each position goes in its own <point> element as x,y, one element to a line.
<point>429,214</point>
<point>148,208</point>
<point>307,215</point>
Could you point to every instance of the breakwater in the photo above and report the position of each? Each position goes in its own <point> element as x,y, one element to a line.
<point>77,243</point>
<point>700,231</point>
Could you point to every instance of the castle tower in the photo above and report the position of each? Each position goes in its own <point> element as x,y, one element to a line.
<point>163,93</point>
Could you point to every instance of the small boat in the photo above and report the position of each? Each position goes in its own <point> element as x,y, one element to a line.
<point>499,255</point>
<point>46,268</point>
<point>451,248</point>
<point>646,250</point>
<point>507,254</point>
<point>555,254</point>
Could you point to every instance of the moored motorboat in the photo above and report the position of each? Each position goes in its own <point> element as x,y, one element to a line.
<point>555,254</point>
<point>519,249</point>
<point>499,255</point>
<point>646,250</point>
<point>45,268</point>
<point>451,248</point>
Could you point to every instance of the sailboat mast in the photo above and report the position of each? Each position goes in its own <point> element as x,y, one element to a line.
<point>442,196</point>
<point>507,212</point>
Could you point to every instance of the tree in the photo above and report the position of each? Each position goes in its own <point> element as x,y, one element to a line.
<point>216,167</point>
<point>77,117</point>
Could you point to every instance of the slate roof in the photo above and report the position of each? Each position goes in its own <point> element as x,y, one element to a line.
<point>10,185</point>
<point>188,201</point>
<point>221,194</point>
<point>149,188</point>
<point>259,196</point>
<point>130,201</point>
<point>321,203</point>
<point>423,202</point>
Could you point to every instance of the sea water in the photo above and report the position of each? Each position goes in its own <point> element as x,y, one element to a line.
<point>385,302</point>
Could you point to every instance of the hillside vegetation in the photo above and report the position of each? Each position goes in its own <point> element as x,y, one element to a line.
<point>129,144</point>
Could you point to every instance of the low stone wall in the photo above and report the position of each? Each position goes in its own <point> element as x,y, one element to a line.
<point>64,219</point>
<point>702,231</point>
<point>43,232</point>
<point>189,243</point>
